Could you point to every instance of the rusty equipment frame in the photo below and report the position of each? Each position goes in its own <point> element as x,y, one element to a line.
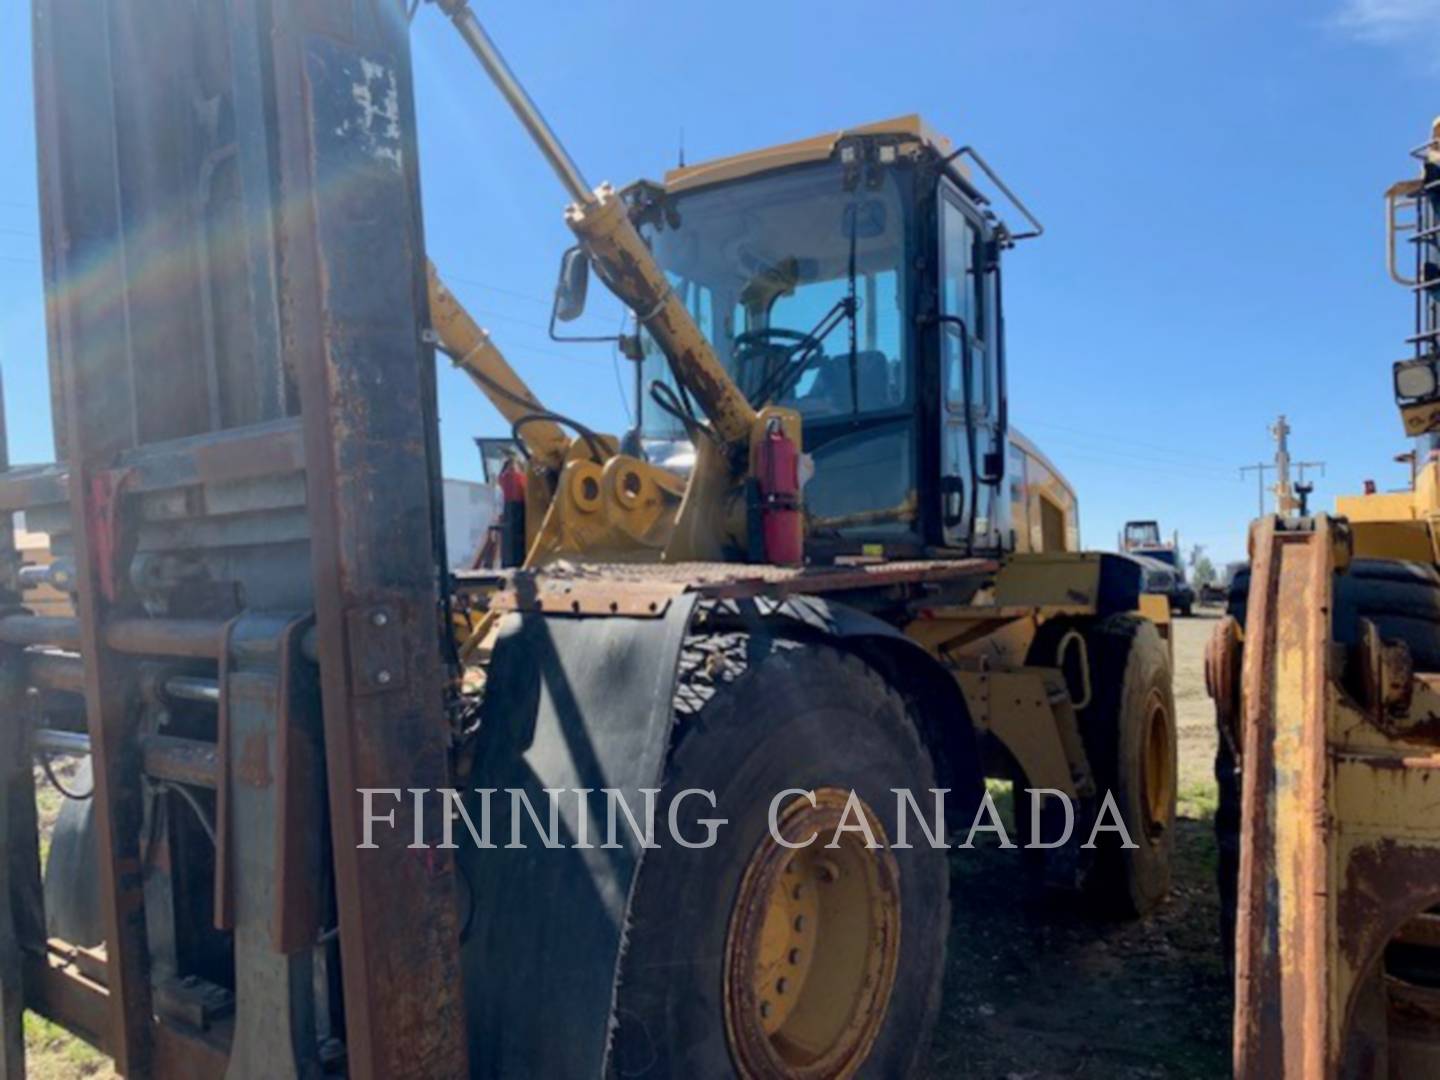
<point>329,385</point>
<point>1340,853</point>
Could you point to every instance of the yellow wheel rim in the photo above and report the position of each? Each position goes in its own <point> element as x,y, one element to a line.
<point>1158,757</point>
<point>813,945</point>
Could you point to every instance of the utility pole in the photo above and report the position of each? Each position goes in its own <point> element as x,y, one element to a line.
<point>1290,498</point>
<point>1284,497</point>
<point>1412,459</point>
<point>1259,470</point>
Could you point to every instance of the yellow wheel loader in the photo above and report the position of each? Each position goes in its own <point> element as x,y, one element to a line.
<point>667,793</point>
<point>924,619</point>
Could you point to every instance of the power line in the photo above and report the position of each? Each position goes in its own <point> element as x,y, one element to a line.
<point>528,297</point>
<point>1109,438</point>
<point>1135,459</point>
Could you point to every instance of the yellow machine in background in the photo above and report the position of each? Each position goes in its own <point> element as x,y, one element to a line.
<point>1397,524</point>
<point>1326,678</point>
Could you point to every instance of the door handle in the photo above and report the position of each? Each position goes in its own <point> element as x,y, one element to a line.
<point>952,501</point>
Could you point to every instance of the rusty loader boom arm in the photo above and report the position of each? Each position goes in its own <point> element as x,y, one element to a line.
<point>712,521</point>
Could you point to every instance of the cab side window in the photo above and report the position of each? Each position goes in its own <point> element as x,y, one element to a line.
<point>963,295</point>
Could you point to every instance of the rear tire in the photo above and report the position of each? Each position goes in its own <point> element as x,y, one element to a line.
<point>1129,735</point>
<point>757,716</point>
<point>1401,598</point>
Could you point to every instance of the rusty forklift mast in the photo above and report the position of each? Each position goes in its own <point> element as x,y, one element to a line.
<point>234,266</point>
<point>1326,678</point>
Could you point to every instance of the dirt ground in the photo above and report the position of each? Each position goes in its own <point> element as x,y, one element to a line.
<point>1037,990</point>
<point>1033,991</point>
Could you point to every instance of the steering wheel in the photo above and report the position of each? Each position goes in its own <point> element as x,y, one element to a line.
<point>772,336</point>
<point>774,345</point>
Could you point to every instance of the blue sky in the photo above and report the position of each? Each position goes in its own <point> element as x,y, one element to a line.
<point>1210,176</point>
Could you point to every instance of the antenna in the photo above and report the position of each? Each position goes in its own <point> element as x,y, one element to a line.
<point>682,147</point>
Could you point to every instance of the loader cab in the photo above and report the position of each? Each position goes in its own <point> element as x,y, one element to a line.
<point>856,279</point>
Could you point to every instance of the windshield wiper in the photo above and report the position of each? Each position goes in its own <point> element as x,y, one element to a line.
<point>798,362</point>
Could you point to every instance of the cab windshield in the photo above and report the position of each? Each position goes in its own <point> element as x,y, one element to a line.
<point>798,284</point>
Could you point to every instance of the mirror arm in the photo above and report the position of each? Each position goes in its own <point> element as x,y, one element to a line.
<point>571,339</point>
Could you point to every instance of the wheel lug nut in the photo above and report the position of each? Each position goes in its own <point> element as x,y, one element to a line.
<point>765,1010</point>
<point>799,922</point>
<point>780,986</point>
<point>794,956</point>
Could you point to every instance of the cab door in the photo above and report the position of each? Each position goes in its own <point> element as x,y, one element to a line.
<point>973,512</point>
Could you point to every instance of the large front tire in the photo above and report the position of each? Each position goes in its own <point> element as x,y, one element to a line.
<point>840,974</point>
<point>1129,735</point>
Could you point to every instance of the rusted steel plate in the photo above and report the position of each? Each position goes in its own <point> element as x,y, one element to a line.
<point>1340,841</point>
<point>355,285</point>
<point>58,991</point>
<point>108,400</point>
<point>1282,1007</point>
<point>642,600</point>
<point>61,991</point>
<point>248,453</point>
<point>645,589</point>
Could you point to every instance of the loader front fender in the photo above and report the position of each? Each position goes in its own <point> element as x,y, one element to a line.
<point>575,704</point>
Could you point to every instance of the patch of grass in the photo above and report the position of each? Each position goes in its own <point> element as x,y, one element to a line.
<point>1198,801</point>
<point>1002,794</point>
<point>52,1053</point>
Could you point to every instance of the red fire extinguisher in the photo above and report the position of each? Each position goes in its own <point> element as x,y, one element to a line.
<point>778,476</point>
<point>511,483</point>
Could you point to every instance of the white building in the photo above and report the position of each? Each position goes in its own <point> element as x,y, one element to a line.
<point>470,509</point>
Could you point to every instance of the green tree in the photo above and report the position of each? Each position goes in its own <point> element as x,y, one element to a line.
<point>1204,572</point>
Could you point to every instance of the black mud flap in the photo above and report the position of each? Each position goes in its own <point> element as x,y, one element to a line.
<point>72,889</point>
<point>572,703</point>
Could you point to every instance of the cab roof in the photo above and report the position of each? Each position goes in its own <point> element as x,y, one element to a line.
<point>815,148</point>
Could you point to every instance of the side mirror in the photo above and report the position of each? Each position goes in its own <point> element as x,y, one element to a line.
<point>570,289</point>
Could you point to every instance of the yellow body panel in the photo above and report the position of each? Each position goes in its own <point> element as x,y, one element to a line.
<point>816,148</point>
<point>1396,524</point>
<point>1044,513</point>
